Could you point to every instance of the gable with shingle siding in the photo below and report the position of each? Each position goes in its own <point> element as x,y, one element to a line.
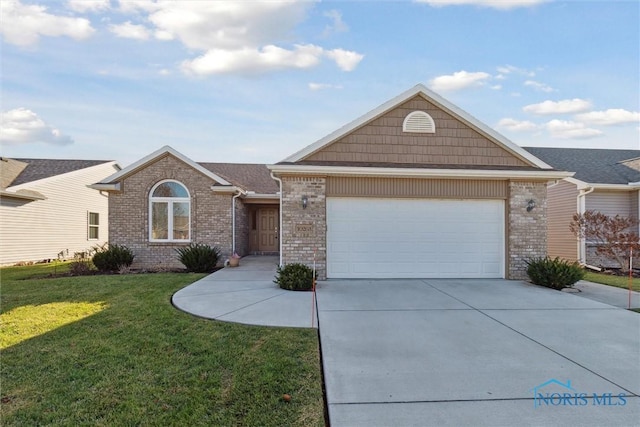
<point>382,140</point>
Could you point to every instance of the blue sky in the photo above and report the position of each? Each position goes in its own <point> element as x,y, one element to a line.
<point>257,81</point>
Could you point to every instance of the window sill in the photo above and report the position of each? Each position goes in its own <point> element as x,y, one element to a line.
<point>168,242</point>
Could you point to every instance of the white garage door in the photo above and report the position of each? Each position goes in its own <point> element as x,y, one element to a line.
<point>408,238</point>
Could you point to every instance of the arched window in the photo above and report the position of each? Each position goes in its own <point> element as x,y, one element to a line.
<point>418,122</point>
<point>169,212</point>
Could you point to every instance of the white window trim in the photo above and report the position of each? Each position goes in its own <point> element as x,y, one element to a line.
<point>169,201</point>
<point>90,226</point>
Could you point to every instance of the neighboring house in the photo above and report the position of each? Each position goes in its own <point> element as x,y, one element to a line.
<point>606,181</point>
<point>47,209</point>
<point>414,188</point>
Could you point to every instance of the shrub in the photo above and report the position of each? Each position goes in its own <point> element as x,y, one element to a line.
<point>295,277</point>
<point>554,273</point>
<point>80,267</point>
<point>112,258</point>
<point>198,257</point>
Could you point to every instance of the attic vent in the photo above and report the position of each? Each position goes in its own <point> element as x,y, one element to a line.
<point>418,122</point>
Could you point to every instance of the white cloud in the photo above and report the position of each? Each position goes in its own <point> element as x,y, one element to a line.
<point>458,80</point>
<point>542,87</point>
<point>130,31</point>
<point>496,4</point>
<point>510,69</point>
<point>337,24</point>
<point>571,130</point>
<point>345,59</point>
<point>84,6</point>
<point>614,116</point>
<point>517,125</point>
<point>321,86</point>
<point>253,61</point>
<point>23,126</point>
<point>496,87</point>
<point>566,106</point>
<point>236,36</point>
<point>22,25</point>
<point>229,25</point>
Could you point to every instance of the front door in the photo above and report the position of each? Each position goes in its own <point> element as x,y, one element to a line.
<point>268,229</point>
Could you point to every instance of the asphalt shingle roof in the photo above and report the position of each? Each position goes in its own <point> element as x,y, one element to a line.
<point>251,177</point>
<point>594,166</point>
<point>44,168</point>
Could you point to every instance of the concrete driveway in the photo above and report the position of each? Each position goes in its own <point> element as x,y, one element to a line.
<point>475,352</point>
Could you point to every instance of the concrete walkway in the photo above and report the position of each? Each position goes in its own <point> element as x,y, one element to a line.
<point>246,294</point>
<point>448,352</point>
<point>616,297</point>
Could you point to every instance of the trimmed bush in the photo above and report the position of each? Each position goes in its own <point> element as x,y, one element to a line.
<point>554,273</point>
<point>80,268</point>
<point>295,277</point>
<point>113,258</point>
<point>199,257</point>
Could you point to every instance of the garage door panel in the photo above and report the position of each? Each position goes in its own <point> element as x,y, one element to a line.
<point>402,238</point>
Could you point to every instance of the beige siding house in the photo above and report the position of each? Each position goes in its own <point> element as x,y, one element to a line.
<point>414,188</point>
<point>47,210</point>
<point>606,181</point>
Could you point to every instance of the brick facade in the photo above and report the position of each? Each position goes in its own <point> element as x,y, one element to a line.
<point>129,213</point>
<point>527,231</point>
<point>527,237</point>
<point>304,231</point>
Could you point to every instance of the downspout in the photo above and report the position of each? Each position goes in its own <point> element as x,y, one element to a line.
<point>233,220</point>
<point>581,202</point>
<point>280,218</point>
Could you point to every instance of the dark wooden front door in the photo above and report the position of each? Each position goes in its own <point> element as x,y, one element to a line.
<point>268,230</point>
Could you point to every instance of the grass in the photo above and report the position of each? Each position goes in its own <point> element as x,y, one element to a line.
<point>608,279</point>
<point>111,350</point>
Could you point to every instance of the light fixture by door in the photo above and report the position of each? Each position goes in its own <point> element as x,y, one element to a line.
<point>305,202</point>
<point>531,204</point>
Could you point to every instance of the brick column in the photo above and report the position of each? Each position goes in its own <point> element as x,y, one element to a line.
<point>527,230</point>
<point>304,230</point>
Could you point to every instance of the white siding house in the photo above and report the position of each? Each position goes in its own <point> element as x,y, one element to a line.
<point>49,211</point>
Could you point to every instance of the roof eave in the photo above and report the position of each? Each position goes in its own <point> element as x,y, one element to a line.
<point>416,173</point>
<point>31,195</point>
<point>105,187</point>
<point>632,186</point>
<point>159,153</point>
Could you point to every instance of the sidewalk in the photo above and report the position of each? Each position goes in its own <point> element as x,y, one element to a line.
<point>611,295</point>
<point>247,294</point>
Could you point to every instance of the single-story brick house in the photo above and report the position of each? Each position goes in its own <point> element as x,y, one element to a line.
<point>605,180</point>
<point>414,188</point>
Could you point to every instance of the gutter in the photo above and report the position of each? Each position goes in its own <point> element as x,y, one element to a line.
<point>416,172</point>
<point>279,218</point>
<point>105,187</point>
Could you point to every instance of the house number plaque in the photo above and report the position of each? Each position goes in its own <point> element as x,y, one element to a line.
<point>304,230</point>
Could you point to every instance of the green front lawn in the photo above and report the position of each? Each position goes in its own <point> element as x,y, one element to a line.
<point>617,281</point>
<point>111,350</point>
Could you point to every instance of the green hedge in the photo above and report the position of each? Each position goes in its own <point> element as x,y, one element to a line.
<point>554,273</point>
<point>295,277</point>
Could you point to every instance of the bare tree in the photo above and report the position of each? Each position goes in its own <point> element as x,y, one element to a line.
<point>613,236</point>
